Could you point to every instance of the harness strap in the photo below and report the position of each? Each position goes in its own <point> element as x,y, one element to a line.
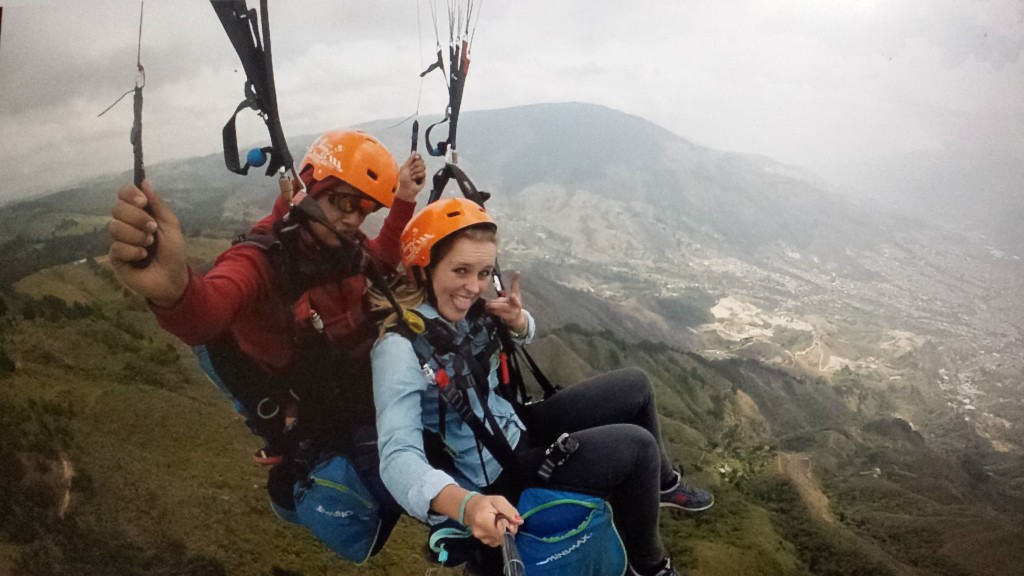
<point>230,139</point>
<point>253,388</point>
<point>309,381</point>
<point>442,147</point>
<point>242,27</point>
<point>445,174</point>
<point>495,442</point>
<point>439,335</point>
<point>458,69</point>
<point>514,352</point>
<point>281,246</point>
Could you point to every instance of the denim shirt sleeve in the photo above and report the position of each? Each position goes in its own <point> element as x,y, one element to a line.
<point>531,329</point>
<point>398,387</point>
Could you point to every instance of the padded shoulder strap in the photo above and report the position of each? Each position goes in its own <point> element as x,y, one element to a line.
<point>260,237</point>
<point>280,244</point>
<point>437,342</point>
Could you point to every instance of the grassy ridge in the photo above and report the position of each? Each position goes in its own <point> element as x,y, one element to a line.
<point>163,484</point>
<point>163,481</point>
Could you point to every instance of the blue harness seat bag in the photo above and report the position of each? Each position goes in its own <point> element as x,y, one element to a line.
<point>568,533</point>
<point>338,508</point>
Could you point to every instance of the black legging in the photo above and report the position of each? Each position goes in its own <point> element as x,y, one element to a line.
<point>620,454</point>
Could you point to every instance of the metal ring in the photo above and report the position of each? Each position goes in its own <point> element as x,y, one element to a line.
<point>259,409</point>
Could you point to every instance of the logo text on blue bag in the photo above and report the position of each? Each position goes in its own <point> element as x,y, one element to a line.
<point>567,551</point>
<point>336,506</point>
<point>334,514</point>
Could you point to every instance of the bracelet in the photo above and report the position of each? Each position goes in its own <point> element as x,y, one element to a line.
<point>520,335</point>
<point>462,507</point>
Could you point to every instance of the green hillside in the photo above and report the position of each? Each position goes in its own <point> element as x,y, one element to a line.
<point>902,457</point>
<point>161,478</point>
<point>101,404</point>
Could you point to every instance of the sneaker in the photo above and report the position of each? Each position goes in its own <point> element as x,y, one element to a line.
<point>268,456</point>
<point>685,497</point>
<point>666,570</point>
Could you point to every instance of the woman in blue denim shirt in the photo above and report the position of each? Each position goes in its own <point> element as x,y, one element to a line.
<point>449,251</point>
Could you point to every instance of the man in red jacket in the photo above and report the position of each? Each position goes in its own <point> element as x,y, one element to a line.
<point>238,294</point>
<point>283,314</point>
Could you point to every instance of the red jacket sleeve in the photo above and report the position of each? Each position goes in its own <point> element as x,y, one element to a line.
<point>387,247</point>
<point>240,278</point>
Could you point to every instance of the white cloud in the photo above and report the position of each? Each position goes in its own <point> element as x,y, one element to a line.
<point>805,81</point>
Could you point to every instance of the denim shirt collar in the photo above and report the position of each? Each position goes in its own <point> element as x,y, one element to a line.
<point>429,312</point>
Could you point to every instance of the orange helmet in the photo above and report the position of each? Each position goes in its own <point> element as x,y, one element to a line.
<point>355,158</point>
<point>436,221</point>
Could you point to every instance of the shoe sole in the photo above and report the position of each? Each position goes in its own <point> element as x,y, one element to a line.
<point>677,507</point>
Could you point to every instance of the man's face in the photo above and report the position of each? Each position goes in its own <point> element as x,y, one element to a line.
<point>346,209</point>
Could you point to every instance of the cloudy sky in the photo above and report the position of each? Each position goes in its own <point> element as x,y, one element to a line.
<point>807,82</point>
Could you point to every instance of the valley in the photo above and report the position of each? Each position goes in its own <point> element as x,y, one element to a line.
<point>934,311</point>
<point>849,384</point>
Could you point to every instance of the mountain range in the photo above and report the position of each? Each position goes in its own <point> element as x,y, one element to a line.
<point>847,378</point>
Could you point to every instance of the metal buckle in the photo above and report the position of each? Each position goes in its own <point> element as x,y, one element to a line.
<point>566,444</point>
<point>557,454</point>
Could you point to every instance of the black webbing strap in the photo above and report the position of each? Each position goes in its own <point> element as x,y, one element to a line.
<point>458,68</point>
<point>495,441</point>
<point>442,147</point>
<point>457,71</point>
<point>546,386</point>
<point>440,337</point>
<point>445,174</point>
<point>244,31</point>
<point>230,139</point>
<point>555,455</point>
<point>256,390</point>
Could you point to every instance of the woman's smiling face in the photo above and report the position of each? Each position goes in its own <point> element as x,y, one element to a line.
<point>460,278</point>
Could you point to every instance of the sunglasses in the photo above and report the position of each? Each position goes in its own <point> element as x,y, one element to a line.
<point>349,203</point>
